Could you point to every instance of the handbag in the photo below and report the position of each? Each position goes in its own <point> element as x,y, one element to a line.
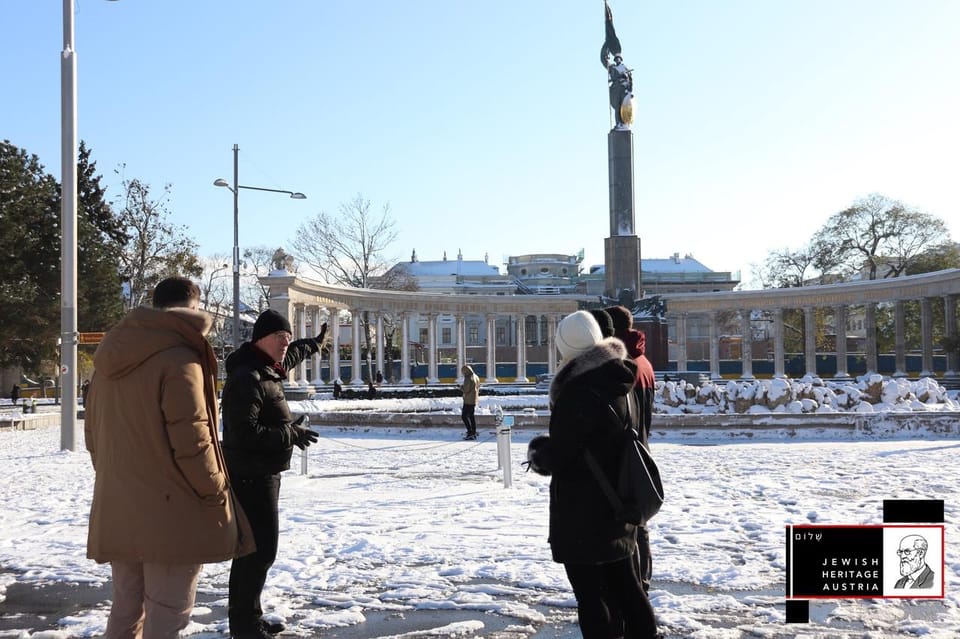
<point>639,492</point>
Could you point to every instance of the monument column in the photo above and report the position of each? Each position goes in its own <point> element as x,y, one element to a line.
<point>926,338</point>
<point>335,346</point>
<point>682,342</point>
<point>840,319</point>
<point>899,340</point>
<point>491,349</point>
<point>521,348</point>
<point>551,344</point>
<point>405,349</point>
<point>950,328</point>
<point>432,349</point>
<point>746,345</point>
<point>779,357</point>
<point>809,341</point>
<point>870,327</point>
<point>714,348</point>
<point>356,371</point>
<point>381,342</point>
<point>461,345</point>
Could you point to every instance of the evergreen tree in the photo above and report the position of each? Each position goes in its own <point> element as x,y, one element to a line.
<point>100,234</point>
<point>30,269</point>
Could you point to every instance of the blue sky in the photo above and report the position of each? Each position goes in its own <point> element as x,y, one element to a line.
<point>484,124</point>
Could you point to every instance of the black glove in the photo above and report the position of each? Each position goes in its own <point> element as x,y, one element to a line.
<point>323,334</point>
<point>302,437</point>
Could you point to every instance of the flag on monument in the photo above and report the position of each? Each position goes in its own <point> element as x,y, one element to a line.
<point>611,44</point>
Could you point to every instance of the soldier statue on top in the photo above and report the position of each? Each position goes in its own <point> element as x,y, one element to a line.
<point>619,77</point>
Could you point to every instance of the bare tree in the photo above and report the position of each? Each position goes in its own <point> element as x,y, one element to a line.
<point>880,236</point>
<point>349,249</point>
<point>155,248</point>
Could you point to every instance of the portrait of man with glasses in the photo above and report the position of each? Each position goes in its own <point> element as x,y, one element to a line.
<point>914,571</point>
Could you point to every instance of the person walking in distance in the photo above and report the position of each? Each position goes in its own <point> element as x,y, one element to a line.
<point>162,502</point>
<point>471,395</point>
<point>259,434</point>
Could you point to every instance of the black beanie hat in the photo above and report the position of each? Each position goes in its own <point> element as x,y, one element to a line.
<point>622,319</point>
<point>269,322</point>
<point>604,320</point>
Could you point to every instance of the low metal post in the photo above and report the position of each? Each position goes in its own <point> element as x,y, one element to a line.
<point>303,453</point>
<point>503,450</point>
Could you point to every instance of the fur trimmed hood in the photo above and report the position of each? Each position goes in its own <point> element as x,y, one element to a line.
<point>607,351</point>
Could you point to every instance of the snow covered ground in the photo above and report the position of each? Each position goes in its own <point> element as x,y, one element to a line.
<point>394,522</point>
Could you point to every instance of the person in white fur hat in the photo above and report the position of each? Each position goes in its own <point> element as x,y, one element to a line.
<point>595,548</point>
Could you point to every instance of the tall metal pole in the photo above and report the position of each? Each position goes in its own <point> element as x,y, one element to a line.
<point>68,239</point>
<point>236,251</point>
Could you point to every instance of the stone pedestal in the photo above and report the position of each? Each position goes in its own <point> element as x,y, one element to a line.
<point>622,248</point>
<point>621,258</point>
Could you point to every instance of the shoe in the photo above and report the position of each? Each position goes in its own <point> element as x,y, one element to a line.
<point>257,632</point>
<point>273,628</point>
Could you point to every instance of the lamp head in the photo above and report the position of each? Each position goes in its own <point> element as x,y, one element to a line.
<point>298,196</point>
<point>221,182</point>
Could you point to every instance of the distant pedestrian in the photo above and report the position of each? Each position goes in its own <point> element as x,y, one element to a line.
<point>15,393</point>
<point>379,378</point>
<point>371,390</point>
<point>84,390</point>
<point>337,389</point>
<point>471,395</point>
<point>162,503</point>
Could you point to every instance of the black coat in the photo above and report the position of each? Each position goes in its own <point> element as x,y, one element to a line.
<point>583,527</point>
<point>257,435</point>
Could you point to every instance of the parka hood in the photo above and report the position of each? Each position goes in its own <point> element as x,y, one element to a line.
<point>146,331</point>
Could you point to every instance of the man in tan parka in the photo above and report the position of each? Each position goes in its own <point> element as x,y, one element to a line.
<point>162,503</point>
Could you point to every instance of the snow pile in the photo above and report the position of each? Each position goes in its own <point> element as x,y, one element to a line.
<point>868,394</point>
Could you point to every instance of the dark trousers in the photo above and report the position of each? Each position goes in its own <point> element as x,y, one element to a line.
<point>469,419</point>
<point>258,497</point>
<point>611,601</point>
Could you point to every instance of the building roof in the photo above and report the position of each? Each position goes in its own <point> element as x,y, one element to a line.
<point>674,264</point>
<point>441,268</point>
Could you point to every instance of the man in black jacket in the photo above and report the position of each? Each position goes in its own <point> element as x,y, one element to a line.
<point>259,434</point>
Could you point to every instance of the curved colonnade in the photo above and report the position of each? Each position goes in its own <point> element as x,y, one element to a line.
<point>927,289</point>
<point>299,299</point>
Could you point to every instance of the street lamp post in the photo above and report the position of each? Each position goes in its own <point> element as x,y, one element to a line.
<point>68,239</point>
<point>235,188</point>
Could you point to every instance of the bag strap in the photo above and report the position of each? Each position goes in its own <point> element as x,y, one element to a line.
<point>605,486</point>
<point>591,461</point>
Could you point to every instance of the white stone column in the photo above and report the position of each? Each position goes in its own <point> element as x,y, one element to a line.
<point>714,348</point>
<point>381,344</point>
<point>355,368</point>
<point>461,345</point>
<point>899,340</point>
<point>405,349</point>
<point>950,328</point>
<point>682,342</point>
<point>318,358</point>
<point>551,344</point>
<point>809,341</point>
<point>334,325</point>
<point>432,377</point>
<point>746,345</point>
<point>926,338</point>
<point>779,354</point>
<point>301,328</point>
<point>491,349</point>
<point>840,319</point>
<point>521,349</point>
<point>870,326</point>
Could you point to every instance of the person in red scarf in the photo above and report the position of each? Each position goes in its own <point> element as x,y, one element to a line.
<point>636,342</point>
